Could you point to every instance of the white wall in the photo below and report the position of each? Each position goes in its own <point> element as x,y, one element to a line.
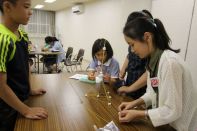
<point>192,47</point>
<point>176,17</point>
<point>101,19</point>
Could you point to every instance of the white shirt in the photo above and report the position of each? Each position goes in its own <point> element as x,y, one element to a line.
<point>177,95</point>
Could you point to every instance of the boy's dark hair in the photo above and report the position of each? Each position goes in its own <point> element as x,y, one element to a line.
<point>99,44</point>
<point>136,28</point>
<point>1,3</point>
<point>48,39</point>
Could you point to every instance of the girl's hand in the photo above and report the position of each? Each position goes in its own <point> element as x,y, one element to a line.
<point>91,76</point>
<point>128,115</point>
<point>106,78</point>
<point>39,91</point>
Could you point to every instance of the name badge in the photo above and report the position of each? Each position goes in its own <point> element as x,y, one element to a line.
<point>154,82</point>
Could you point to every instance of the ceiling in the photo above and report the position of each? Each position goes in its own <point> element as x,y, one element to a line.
<point>58,4</point>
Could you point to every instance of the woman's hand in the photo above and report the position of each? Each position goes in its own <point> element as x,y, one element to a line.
<point>129,115</point>
<point>39,91</point>
<point>126,105</point>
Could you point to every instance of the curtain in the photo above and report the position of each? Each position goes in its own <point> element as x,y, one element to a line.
<point>40,25</point>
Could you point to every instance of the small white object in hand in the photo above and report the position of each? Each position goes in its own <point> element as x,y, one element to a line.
<point>86,95</point>
<point>135,107</point>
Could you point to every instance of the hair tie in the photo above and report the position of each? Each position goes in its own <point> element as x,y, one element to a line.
<point>153,22</point>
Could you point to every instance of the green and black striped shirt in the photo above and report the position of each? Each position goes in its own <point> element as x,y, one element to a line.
<point>7,45</point>
<point>14,60</point>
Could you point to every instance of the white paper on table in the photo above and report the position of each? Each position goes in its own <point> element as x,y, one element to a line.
<point>54,50</point>
<point>78,76</point>
<point>109,127</point>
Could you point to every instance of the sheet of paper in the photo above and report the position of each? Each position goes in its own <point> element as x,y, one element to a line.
<point>78,76</point>
<point>109,127</point>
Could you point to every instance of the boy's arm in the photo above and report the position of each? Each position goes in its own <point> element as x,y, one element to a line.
<point>9,97</point>
<point>123,69</point>
<point>141,82</point>
<point>38,91</point>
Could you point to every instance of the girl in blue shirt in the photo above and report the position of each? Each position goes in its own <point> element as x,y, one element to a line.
<point>102,54</point>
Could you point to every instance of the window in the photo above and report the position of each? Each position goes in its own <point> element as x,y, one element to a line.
<point>41,24</point>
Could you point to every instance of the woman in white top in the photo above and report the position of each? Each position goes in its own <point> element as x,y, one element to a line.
<point>170,96</point>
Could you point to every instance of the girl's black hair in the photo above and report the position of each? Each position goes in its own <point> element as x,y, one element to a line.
<point>148,14</point>
<point>99,44</point>
<point>1,3</point>
<point>136,28</point>
<point>48,39</point>
<point>55,39</point>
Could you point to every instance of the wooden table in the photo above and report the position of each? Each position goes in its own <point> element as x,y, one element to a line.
<point>70,110</point>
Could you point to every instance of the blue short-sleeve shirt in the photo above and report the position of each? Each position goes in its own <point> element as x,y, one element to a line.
<point>58,47</point>
<point>110,67</point>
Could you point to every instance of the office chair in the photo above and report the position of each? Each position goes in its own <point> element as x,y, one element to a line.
<point>67,61</point>
<point>77,60</point>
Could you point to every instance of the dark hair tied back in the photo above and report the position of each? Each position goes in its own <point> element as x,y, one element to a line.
<point>136,28</point>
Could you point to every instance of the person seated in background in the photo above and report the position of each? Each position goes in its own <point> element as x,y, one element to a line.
<point>52,44</point>
<point>103,61</point>
<point>134,66</point>
<point>48,61</point>
<point>57,46</point>
<point>48,43</point>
